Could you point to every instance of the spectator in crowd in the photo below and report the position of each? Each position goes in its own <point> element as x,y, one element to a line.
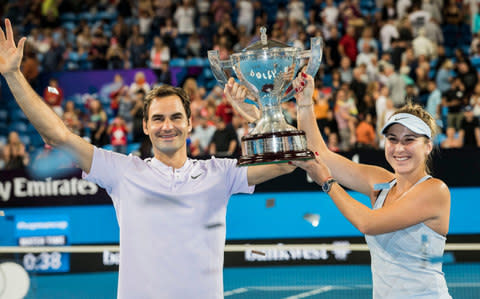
<point>454,99</point>
<point>225,111</point>
<point>165,75</point>
<point>387,113</point>
<point>159,55</point>
<point>396,86</point>
<point>137,115</point>
<point>388,33</point>
<point>242,127</point>
<point>118,133</point>
<point>475,101</point>
<point>219,9</point>
<point>14,153</point>
<point>97,124</point>
<point>201,137</point>
<point>53,96</point>
<point>434,101</point>
<point>224,141</point>
<point>432,8</point>
<point>345,121</point>
<point>469,132</point>
<point>451,139</point>
<point>296,11</point>
<point>97,54</point>
<point>206,32</point>
<point>423,46</point>
<point>367,39</point>
<point>332,56</point>
<point>347,45</point>
<point>468,74</point>
<point>444,76</point>
<point>137,51</point>
<point>330,14</point>
<point>358,87</point>
<point>194,46</point>
<point>365,133</point>
<point>332,142</point>
<point>31,66</point>
<point>184,16</point>
<point>389,12</point>
<point>245,15</point>
<point>169,32</point>
<point>346,73</point>
<point>145,19</point>
<point>140,82</point>
<point>418,18</point>
<point>115,56</point>
<point>434,33</point>
<point>70,118</point>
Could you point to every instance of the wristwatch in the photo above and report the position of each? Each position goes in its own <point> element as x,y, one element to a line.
<point>327,185</point>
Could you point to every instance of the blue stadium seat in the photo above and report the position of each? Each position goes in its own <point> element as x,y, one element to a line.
<point>178,62</point>
<point>18,126</point>
<point>67,17</point>
<point>476,62</point>
<point>3,116</point>
<point>3,139</point>
<point>17,114</point>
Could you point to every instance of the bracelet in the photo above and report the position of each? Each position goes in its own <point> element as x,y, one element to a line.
<point>327,179</point>
<point>304,105</point>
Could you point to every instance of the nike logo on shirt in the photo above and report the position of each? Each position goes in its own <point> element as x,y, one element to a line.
<point>195,176</point>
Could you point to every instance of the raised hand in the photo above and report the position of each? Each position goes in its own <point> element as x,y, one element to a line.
<point>304,86</point>
<point>10,54</point>
<point>236,95</point>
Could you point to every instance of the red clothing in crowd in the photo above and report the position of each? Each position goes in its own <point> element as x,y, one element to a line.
<point>52,98</point>
<point>225,111</point>
<point>118,135</point>
<point>350,47</point>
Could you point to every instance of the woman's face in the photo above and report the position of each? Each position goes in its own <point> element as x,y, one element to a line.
<point>405,150</point>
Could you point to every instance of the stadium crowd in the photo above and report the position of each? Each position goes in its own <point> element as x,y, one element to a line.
<point>378,54</point>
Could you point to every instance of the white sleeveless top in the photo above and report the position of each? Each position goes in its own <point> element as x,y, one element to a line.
<point>405,262</point>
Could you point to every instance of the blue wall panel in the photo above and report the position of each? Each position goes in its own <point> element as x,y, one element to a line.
<point>248,217</point>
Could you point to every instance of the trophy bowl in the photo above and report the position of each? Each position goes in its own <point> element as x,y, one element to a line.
<point>266,69</point>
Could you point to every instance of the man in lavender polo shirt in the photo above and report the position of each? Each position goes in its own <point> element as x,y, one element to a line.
<point>170,209</point>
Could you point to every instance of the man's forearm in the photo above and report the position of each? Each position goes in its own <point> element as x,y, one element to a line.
<point>42,117</point>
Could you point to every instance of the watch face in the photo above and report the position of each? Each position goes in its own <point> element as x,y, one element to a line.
<point>326,187</point>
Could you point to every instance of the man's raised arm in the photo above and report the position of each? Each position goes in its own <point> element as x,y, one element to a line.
<point>44,119</point>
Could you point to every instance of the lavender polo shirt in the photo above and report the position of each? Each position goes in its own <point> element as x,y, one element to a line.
<point>172,222</point>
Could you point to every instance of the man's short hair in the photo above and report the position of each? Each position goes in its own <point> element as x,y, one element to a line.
<point>165,91</point>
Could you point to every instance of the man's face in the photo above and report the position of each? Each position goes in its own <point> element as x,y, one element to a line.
<point>167,126</point>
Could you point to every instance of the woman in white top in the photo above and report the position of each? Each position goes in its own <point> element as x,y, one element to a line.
<point>406,228</point>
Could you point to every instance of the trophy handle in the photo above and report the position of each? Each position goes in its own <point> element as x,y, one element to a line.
<point>315,55</point>
<point>249,108</point>
<point>218,67</point>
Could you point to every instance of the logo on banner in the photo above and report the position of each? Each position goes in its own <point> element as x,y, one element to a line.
<point>23,187</point>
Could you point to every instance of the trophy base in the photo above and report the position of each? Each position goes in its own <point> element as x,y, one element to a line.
<point>271,148</point>
<point>274,158</point>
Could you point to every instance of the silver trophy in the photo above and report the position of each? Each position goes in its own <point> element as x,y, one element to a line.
<point>267,69</point>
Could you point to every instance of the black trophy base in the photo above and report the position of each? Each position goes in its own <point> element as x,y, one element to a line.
<point>273,158</point>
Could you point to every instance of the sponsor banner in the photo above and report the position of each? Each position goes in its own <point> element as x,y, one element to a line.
<point>19,189</point>
<point>109,261</point>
